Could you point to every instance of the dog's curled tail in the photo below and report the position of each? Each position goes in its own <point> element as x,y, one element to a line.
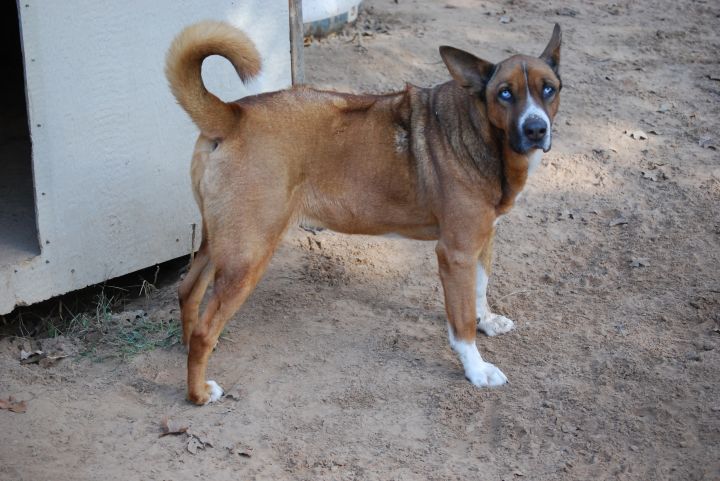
<point>214,117</point>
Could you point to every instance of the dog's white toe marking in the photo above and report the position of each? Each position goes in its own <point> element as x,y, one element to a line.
<point>216,391</point>
<point>494,324</point>
<point>486,374</point>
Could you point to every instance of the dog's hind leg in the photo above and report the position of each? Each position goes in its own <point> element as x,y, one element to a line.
<point>192,289</point>
<point>491,324</point>
<point>240,258</point>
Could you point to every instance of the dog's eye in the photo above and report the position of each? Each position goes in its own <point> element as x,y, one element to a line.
<point>548,91</point>
<point>505,94</point>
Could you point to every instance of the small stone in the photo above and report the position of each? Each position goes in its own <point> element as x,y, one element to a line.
<point>566,12</point>
<point>692,356</point>
<point>654,174</point>
<point>638,135</point>
<point>568,428</point>
<point>707,143</point>
<point>704,345</point>
<point>639,262</point>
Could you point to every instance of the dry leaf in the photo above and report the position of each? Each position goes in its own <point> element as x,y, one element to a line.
<point>241,449</point>
<point>30,357</point>
<point>197,440</point>
<point>25,354</point>
<point>194,444</point>
<point>169,426</point>
<point>202,437</point>
<point>48,361</point>
<point>12,405</point>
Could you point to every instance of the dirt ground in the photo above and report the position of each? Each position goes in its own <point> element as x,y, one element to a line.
<point>338,367</point>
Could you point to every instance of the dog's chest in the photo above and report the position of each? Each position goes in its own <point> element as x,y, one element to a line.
<point>533,162</point>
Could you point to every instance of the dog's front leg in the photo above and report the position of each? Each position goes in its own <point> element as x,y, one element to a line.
<point>457,272</point>
<point>491,324</point>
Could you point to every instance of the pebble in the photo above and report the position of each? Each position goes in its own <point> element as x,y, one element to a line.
<point>707,346</point>
<point>692,356</point>
<point>568,428</point>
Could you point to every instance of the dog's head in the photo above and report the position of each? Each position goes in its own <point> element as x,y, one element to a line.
<point>521,93</point>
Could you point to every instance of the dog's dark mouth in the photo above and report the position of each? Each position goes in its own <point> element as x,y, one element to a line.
<point>522,145</point>
<point>525,146</point>
<point>528,148</point>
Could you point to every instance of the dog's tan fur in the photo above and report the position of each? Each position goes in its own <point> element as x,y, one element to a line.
<point>431,164</point>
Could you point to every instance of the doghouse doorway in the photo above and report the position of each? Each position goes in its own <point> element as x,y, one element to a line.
<point>18,226</point>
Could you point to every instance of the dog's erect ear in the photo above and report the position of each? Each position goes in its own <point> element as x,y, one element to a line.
<point>551,55</point>
<point>468,71</point>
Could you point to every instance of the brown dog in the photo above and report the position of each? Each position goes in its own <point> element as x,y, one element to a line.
<point>439,163</point>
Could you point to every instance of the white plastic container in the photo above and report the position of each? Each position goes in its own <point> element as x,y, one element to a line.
<point>321,17</point>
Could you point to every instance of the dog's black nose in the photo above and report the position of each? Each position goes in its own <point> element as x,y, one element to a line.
<point>535,128</point>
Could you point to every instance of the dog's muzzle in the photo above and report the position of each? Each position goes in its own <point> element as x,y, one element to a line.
<point>536,134</point>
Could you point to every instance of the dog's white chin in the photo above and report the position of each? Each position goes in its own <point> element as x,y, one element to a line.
<point>534,157</point>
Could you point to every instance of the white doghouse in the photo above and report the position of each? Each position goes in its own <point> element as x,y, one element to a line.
<point>99,185</point>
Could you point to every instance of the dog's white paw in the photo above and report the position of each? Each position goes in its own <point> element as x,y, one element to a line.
<point>477,371</point>
<point>494,324</point>
<point>485,374</point>
<point>216,391</point>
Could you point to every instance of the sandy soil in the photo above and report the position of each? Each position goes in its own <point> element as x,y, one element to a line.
<point>338,367</point>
